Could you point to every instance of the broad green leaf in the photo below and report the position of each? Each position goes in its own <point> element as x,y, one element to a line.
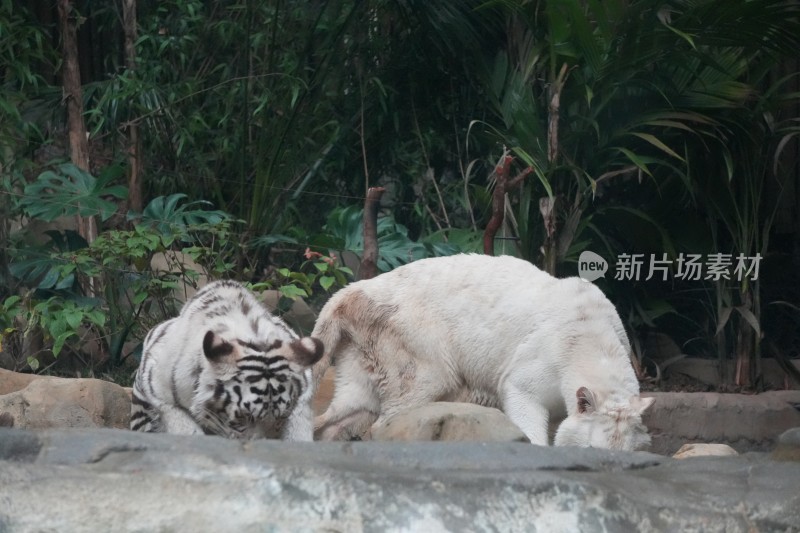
<point>326,282</point>
<point>73,317</point>
<point>293,292</point>
<point>59,341</point>
<point>69,191</point>
<point>11,301</point>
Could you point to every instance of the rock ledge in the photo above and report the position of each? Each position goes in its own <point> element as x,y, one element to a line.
<point>105,479</point>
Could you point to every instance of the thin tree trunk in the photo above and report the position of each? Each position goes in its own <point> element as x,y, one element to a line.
<point>498,203</point>
<point>548,206</point>
<point>369,261</point>
<point>134,151</point>
<point>747,356</point>
<point>501,187</point>
<point>73,96</point>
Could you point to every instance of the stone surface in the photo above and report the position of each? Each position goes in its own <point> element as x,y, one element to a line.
<point>788,446</point>
<point>14,381</point>
<point>68,403</point>
<point>744,422</point>
<point>450,421</point>
<point>114,480</point>
<point>703,450</point>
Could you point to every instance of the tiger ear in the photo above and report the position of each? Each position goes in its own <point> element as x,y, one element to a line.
<point>306,351</point>
<point>586,401</point>
<point>216,348</point>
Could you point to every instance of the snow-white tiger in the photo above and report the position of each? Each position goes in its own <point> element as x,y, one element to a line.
<point>225,366</point>
<point>490,330</point>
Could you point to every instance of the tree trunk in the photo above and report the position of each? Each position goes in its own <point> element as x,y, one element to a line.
<point>747,346</point>
<point>548,206</point>
<point>502,185</point>
<point>73,96</point>
<point>369,261</point>
<point>134,151</point>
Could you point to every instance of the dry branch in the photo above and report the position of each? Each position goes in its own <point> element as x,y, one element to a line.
<point>369,261</point>
<point>501,187</point>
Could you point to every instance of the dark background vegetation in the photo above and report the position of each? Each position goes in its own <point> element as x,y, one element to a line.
<point>244,135</point>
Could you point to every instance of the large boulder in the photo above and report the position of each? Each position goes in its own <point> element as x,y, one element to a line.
<point>746,422</point>
<point>449,421</point>
<point>788,447</point>
<point>101,479</point>
<point>704,450</point>
<point>14,381</point>
<point>67,403</point>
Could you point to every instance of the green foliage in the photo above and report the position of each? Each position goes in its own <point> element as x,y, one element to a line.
<point>345,231</point>
<point>636,108</point>
<point>24,50</point>
<point>317,272</point>
<point>653,126</point>
<point>51,265</point>
<point>127,297</point>
<point>58,319</point>
<point>166,215</point>
<point>68,191</point>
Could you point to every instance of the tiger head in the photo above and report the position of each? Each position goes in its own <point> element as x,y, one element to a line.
<point>605,423</point>
<point>255,381</point>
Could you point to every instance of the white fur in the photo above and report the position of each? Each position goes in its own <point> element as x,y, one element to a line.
<point>491,330</point>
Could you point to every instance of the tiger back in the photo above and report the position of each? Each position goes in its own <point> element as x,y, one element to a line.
<point>225,366</point>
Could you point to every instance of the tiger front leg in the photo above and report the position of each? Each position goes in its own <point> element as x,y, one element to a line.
<point>527,413</point>
<point>300,425</point>
<point>178,421</point>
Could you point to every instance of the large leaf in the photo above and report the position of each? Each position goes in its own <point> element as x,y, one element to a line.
<point>44,266</point>
<point>344,231</point>
<point>169,216</point>
<point>67,190</point>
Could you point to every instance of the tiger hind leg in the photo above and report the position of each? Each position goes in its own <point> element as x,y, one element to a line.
<point>355,404</point>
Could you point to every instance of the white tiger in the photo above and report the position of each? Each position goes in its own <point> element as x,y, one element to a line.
<point>225,366</point>
<point>490,330</point>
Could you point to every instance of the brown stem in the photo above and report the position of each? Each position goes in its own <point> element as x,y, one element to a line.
<point>369,261</point>
<point>548,206</point>
<point>501,187</point>
<point>553,113</point>
<point>134,172</point>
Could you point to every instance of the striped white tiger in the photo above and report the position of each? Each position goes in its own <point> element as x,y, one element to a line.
<point>225,366</point>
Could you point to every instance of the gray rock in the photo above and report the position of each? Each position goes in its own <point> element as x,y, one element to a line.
<point>704,449</point>
<point>101,480</point>
<point>744,422</point>
<point>788,447</point>
<point>14,381</point>
<point>450,421</point>
<point>66,402</point>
